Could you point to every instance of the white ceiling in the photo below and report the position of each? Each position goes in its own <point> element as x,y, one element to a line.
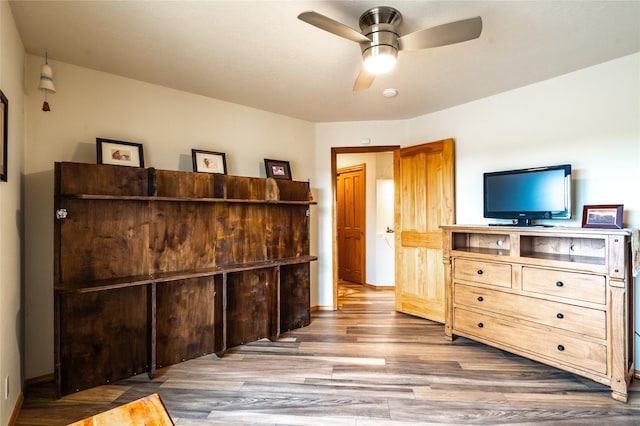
<point>257,53</point>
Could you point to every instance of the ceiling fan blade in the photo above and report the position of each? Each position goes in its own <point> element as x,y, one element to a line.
<point>364,80</point>
<point>442,35</point>
<point>334,27</point>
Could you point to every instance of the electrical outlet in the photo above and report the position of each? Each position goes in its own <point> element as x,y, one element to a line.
<point>6,388</point>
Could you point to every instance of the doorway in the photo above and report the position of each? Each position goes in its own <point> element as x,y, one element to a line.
<point>351,159</point>
<point>423,177</point>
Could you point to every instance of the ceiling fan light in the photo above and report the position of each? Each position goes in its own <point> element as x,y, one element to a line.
<point>380,59</point>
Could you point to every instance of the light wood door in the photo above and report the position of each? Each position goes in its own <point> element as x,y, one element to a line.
<point>424,200</point>
<point>351,223</point>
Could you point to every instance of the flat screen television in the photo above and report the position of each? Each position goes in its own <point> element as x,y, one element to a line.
<point>528,194</point>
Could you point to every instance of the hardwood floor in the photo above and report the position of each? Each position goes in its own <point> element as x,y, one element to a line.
<point>364,364</point>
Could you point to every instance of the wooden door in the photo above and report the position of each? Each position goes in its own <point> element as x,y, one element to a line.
<point>424,200</point>
<point>351,223</point>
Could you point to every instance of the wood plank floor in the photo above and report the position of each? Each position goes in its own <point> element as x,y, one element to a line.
<point>364,364</point>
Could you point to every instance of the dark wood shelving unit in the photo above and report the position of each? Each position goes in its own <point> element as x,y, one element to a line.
<point>154,267</point>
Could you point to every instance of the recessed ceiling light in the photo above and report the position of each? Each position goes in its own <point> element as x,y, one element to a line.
<point>390,93</point>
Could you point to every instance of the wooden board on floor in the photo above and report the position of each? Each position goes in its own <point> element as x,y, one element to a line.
<point>147,411</point>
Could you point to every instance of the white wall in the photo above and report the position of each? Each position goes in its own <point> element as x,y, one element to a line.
<point>589,118</point>
<point>385,240</point>
<point>11,225</point>
<point>90,104</point>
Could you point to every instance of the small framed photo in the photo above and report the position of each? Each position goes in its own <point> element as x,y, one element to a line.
<point>209,161</point>
<point>278,169</point>
<point>4,115</point>
<point>119,153</point>
<point>608,216</point>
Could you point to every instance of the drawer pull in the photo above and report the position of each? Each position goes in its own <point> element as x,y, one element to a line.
<point>559,284</point>
<point>559,315</point>
<point>480,325</point>
<point>560,348</point>
<point>480,298</point>
<point>479,272</point>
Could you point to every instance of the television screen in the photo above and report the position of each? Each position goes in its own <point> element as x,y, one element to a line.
<point>526,194</point>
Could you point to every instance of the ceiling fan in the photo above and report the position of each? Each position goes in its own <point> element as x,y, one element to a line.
<point>380,40</point>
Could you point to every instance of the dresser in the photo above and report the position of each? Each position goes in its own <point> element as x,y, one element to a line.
<point>560,296</point>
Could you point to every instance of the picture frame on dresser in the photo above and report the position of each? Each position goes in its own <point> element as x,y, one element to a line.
<point>4,115</point>
<point>278,169</point>
<point>209,161</point>
<point>603,216</point>
<point>119,153</point>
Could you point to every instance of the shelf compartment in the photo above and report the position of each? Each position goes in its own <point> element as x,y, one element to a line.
<point>81,178</point>
<point>295,287</point>
<point>289,190</point>
<point>95,235</point>
<point>107,339</point>
<point>490,244</point>
<point>190,185</point>
<point>252,306</point>
<point>186,313</point>
<point>587,250</point>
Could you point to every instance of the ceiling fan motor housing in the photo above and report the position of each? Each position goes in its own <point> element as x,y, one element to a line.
<point>379,24</point>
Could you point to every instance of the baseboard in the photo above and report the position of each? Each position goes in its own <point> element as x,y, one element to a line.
<point>321,308</point>
<point>29,382</point>
<point>40,379</point>
<point>379,287</point>
<point>16,410</point>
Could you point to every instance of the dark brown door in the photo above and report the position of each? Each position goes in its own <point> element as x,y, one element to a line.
<point>351,223</point>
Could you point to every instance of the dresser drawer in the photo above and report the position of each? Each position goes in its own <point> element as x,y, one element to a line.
<point>571,285</point>
<point>498,274</point>
<point>577,352</point>
<point>586,321</point>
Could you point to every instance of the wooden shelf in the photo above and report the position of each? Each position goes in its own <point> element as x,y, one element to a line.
<point>577,248</point>
<point>153,267</point>
<point>152,198</point>
<point>483,250</point>
<point>555,257</point>
<point>121,282</point>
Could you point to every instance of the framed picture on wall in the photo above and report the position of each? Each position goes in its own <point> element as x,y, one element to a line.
<point>277,169</point>
<point>209,161</point>
<point>608,216</point>
<point>119,153</point>
<point>4,115</point>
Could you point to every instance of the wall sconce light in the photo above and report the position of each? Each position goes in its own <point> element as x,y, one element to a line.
<point>46,82</point>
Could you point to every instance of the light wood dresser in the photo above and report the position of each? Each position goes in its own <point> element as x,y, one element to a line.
<point>561,296</point>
